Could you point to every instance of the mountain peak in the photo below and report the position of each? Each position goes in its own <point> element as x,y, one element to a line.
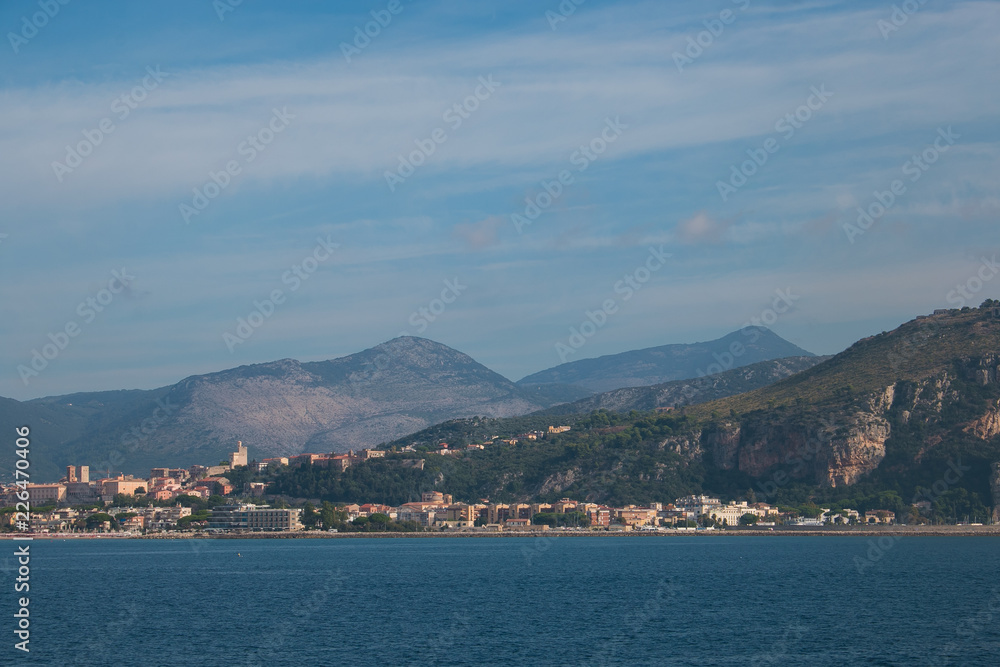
<point>413,343</point>
<point>667,363</point>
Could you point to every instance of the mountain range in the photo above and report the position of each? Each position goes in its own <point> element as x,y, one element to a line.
<point>286,407</point>
<point>667,363</point>
<point>903,417</point>
<point>690,391</point>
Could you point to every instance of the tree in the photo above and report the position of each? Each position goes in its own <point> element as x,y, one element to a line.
<point>749,519</point>
<point>240,476</point>
<point>309,516</point>
<point>329,515</point>
<point>100,517</point>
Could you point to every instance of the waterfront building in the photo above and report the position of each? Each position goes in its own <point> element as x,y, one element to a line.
<point>254,517</point>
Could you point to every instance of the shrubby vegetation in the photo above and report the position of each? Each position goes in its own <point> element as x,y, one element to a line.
<point>332,517</point>
<point>616,458</point>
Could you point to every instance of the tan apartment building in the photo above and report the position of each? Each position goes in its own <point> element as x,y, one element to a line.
<point>43,494</point>
<point>636,516</point>
<point>497,513</point>
<point>462,513</point>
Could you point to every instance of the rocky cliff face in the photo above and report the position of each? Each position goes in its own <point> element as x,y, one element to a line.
<point>688,446</point>
<point>986,426</point>
<point>856,453</point>
<point>848,443</point>
<point>559,481</point>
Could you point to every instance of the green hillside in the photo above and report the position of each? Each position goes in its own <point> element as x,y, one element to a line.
<point>915,350</point>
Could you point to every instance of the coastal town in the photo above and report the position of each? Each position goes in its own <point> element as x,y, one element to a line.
<point>203,499</point>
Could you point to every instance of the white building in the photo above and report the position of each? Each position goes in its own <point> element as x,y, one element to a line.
<point>239,457</point>
<point>695,506</point>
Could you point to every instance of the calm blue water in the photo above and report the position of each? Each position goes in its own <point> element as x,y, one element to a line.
<point>563,601</point>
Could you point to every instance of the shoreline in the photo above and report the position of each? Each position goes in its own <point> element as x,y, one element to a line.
<point>862,531</point>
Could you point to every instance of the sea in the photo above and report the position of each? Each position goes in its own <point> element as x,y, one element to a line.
<point>680,600</point>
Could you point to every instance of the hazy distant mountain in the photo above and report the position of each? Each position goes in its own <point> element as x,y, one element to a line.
<point>667,363</point>
<point>364,399</point>
<point>279,408</point>
<point>688,392</point>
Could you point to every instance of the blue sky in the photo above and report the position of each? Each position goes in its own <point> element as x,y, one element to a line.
<point>683,122</point>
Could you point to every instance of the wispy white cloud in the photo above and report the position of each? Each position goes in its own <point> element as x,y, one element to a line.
<point>655,185</point>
